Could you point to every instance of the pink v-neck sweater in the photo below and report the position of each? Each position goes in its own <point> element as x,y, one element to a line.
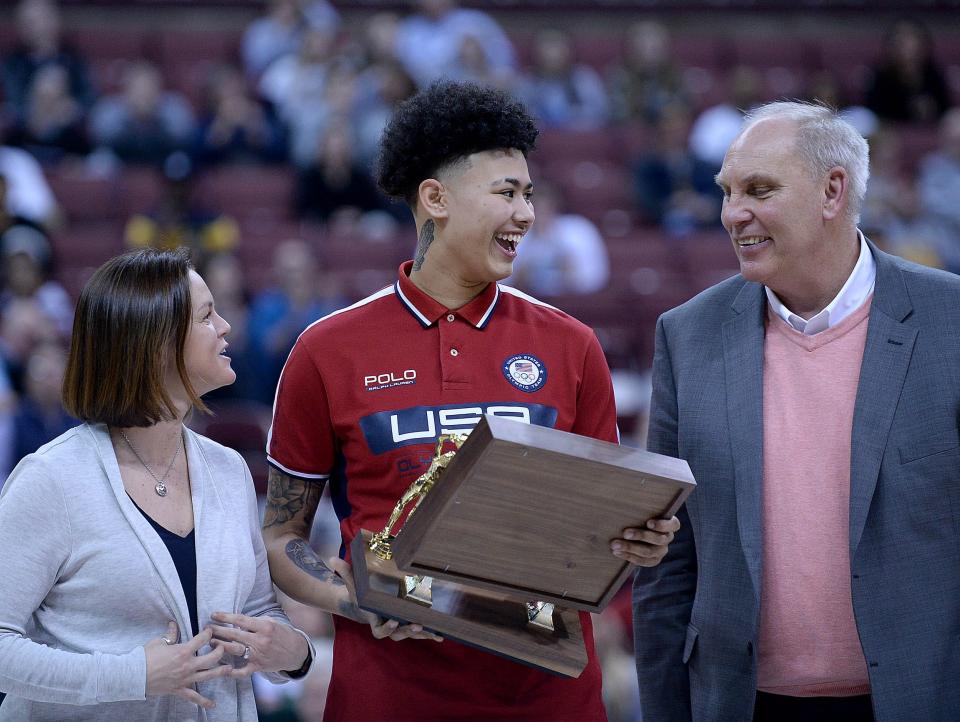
<point>808,638</point>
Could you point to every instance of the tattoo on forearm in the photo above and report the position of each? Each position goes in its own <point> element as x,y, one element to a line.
<point>304,557</point>
<point>423,243</point>
<point>351,611</point>
<point>288,496</point>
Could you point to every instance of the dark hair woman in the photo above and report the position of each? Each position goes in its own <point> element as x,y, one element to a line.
<point>135,577</point>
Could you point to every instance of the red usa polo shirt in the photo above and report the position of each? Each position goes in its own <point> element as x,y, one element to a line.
<point>361,401</point>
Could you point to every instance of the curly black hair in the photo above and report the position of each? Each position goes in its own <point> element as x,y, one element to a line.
<point>444,124</point>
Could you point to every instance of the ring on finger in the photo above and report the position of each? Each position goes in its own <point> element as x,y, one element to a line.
<point>246,653</point>
<point>166,641</point>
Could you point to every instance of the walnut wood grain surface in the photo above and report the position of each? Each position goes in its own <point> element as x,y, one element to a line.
<point>530,511</point>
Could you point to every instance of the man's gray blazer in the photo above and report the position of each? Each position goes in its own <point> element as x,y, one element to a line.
<point>696,616</point>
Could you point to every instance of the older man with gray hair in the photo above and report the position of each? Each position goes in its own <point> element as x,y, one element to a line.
<point>816,397</point>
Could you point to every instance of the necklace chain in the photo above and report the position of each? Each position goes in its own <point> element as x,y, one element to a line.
<point>160,488</point>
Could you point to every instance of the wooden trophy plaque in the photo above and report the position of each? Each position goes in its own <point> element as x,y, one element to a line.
<point>521,513</point>
<point>481,618</point>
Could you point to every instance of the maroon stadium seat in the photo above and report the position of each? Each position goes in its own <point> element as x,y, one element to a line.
<point>85,197</point>
<point>82,247</point>
<point>592,188</point>
<point>185,58</point>
<point>140,190</point>
<point>242,426</point>
<point>576,145</point>
<point>849,59</point>
<point>246,192</point>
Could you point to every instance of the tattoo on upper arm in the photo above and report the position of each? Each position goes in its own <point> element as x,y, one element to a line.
<point>304,557</point>
<point>288,496</point>
<point>423,243</point>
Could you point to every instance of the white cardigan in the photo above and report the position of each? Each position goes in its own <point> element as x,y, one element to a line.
<point>85,582</point>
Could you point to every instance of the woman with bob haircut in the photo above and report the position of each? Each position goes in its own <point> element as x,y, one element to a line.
<point>135,580</point>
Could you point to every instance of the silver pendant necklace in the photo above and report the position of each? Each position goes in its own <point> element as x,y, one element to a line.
<point>160,488</point>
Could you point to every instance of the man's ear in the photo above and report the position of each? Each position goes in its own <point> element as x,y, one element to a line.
<point>432,197</point>
<point>836,193</point>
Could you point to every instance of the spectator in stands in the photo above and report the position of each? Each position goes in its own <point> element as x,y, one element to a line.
<point>647,79</point>
<point>309,117</point>
<point>429,41</point>
<point>39,45</point>
<point>295,81</point>
<point>908,84</point>
<point>27,263</point>
<point>717,126</point>
<point>823,87</point>
<point>334,184</point>
<point>380,88</point>
<point>40,414</point>
<point>891,206</point>
<point>300,87</point>
<point>378,40</point>
<point>675,188</point>
<point>54,125</point>
<point>281,30</point>
<point>12,225</point>
<point>472,65</point>
<point>234,127</point>
<point>26,191</point>
<point>23,327</point>
<point>939,186</point>
<point>563,253</point>
<point>144,123</point>
<point>299,296</point>
<point>178,220</point>
<point>561,92</point>
<point>30,311</point>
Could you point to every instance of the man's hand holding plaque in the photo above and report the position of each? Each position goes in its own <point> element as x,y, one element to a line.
<point>648,546</point>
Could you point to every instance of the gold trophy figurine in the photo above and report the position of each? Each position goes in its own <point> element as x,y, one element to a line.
<point>416,587</point>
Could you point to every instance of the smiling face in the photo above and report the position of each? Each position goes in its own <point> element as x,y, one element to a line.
<point>208,367</point>
<point>487,208</point>
<point>777,214</point>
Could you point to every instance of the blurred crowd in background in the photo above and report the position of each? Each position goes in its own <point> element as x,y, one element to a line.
<point>254,147</point>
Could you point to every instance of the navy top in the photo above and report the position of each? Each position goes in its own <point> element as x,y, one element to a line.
<point>183,551</point>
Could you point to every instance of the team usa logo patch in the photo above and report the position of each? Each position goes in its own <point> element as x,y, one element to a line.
<point>526,372</point>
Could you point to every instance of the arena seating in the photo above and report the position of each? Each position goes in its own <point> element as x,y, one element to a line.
<point>242,426</point>
<point>650,272</point>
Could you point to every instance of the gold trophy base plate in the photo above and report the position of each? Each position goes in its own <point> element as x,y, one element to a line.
<point>477,617</point>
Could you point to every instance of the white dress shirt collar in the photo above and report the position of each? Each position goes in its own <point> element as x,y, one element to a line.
<point>855,292</point>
